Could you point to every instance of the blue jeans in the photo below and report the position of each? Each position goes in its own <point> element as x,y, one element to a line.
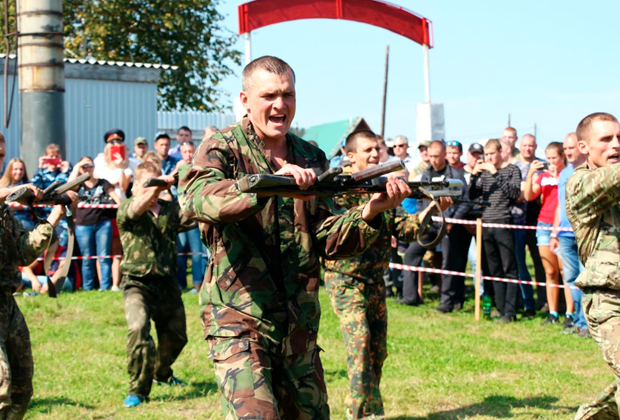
<point>190,242</point>
<point>571,267</point>
<point>527,292</point>
<point>95,240</point>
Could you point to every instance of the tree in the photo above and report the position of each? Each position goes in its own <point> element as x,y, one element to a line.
<point>183,33</point>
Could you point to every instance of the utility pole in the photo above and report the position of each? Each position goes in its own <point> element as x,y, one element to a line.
<point>40,55</point>
<point>509,121</point>
<point>385,85</point>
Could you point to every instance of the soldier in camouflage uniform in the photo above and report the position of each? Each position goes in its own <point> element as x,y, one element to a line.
<point>357,291</point>
<point>260,294</point>
<point>18,247</point>
<point>148,228</point>
<point>592,206</point>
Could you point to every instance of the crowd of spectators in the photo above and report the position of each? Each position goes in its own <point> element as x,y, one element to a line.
<point>522,189</point>
<point>97,236</point>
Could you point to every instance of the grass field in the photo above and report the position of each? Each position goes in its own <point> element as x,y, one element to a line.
<point>440,367</point>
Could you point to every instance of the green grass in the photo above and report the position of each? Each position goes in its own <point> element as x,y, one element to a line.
<point>439,366</point>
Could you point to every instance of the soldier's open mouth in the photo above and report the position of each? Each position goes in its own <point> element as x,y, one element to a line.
<point>277,119</point>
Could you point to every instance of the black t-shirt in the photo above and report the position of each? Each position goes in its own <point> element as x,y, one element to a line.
<point>95,195</point>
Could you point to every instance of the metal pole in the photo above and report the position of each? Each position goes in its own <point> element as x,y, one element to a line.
<point>385,85</point>
<point>427,76</point>
<point>41,78</point>
<point>248,48</point>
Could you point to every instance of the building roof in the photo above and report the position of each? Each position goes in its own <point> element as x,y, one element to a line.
<point>330,136</point>
<point>109,63</point>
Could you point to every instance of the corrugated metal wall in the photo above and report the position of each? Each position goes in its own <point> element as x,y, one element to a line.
<point>91,108</point>
<point>170,121</point>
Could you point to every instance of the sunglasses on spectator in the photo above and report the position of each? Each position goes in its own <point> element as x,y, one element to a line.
<point>400,145</point>
<point>453,143</point>
<point>116,141</point>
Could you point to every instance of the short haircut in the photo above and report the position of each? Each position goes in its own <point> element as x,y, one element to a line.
<point>557,146</point>
<point>146,168</point>
<point>493,143</point>
<point>350,145</point>
<point>514,130</point>
<point>583,129</point>
<point>185,128</point>
<point>438,143</point>
<point>268,63</point>
<point>52,148</point>
<point>2,140</point>
<point>401,137</point>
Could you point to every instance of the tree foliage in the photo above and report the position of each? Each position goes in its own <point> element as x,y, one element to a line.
<point>184,33</point>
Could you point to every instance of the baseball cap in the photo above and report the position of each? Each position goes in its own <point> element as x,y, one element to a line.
<point>140,140</point>
<point>424,143</point>
<point>161,135</point>
<point>476,148</point>
<point>114,134</point>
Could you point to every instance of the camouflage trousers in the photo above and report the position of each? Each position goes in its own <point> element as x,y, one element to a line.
<point>158,299</point>
<point>256,383</point>
<point>16,366</point>
<point>602,311</point>
<point>362,312</point>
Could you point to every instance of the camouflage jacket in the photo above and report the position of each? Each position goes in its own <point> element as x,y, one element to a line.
<point>370,265</point>
<point>263,277</point>
<point>149,242</point>
<point>593,208</point>
<point>19,247</point>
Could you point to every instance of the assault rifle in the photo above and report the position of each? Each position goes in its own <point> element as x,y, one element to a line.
<point>334,182</point>
<point>55,194</point>
<point>52,195</point>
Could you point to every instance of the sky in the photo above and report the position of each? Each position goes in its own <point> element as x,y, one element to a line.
<point>546,63</point>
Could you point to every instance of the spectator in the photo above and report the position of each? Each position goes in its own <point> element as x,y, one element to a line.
<point>454,245</point>
<point>140,147</point>
<point>384,156</point>
<point>14,175</point>
<point>117,171</point>
<point>454,152</point>
<point>94,225</point>
<point>571,266</point>
<point>507,150</point>
<point>184,135</point>
<point>152,157</point>
<point>51,169</point>
<point>117,137</point>
<point>416,173</point>
<point>162,146</point>
<point>189,241</point>
<point>499,183</point>
<point>401,147</point>
<point>509,135</point>
<point>526,213</point>
<point>544,184</point>
<point>209,131</point>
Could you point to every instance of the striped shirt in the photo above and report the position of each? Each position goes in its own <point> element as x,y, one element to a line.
<point>502,190</point>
